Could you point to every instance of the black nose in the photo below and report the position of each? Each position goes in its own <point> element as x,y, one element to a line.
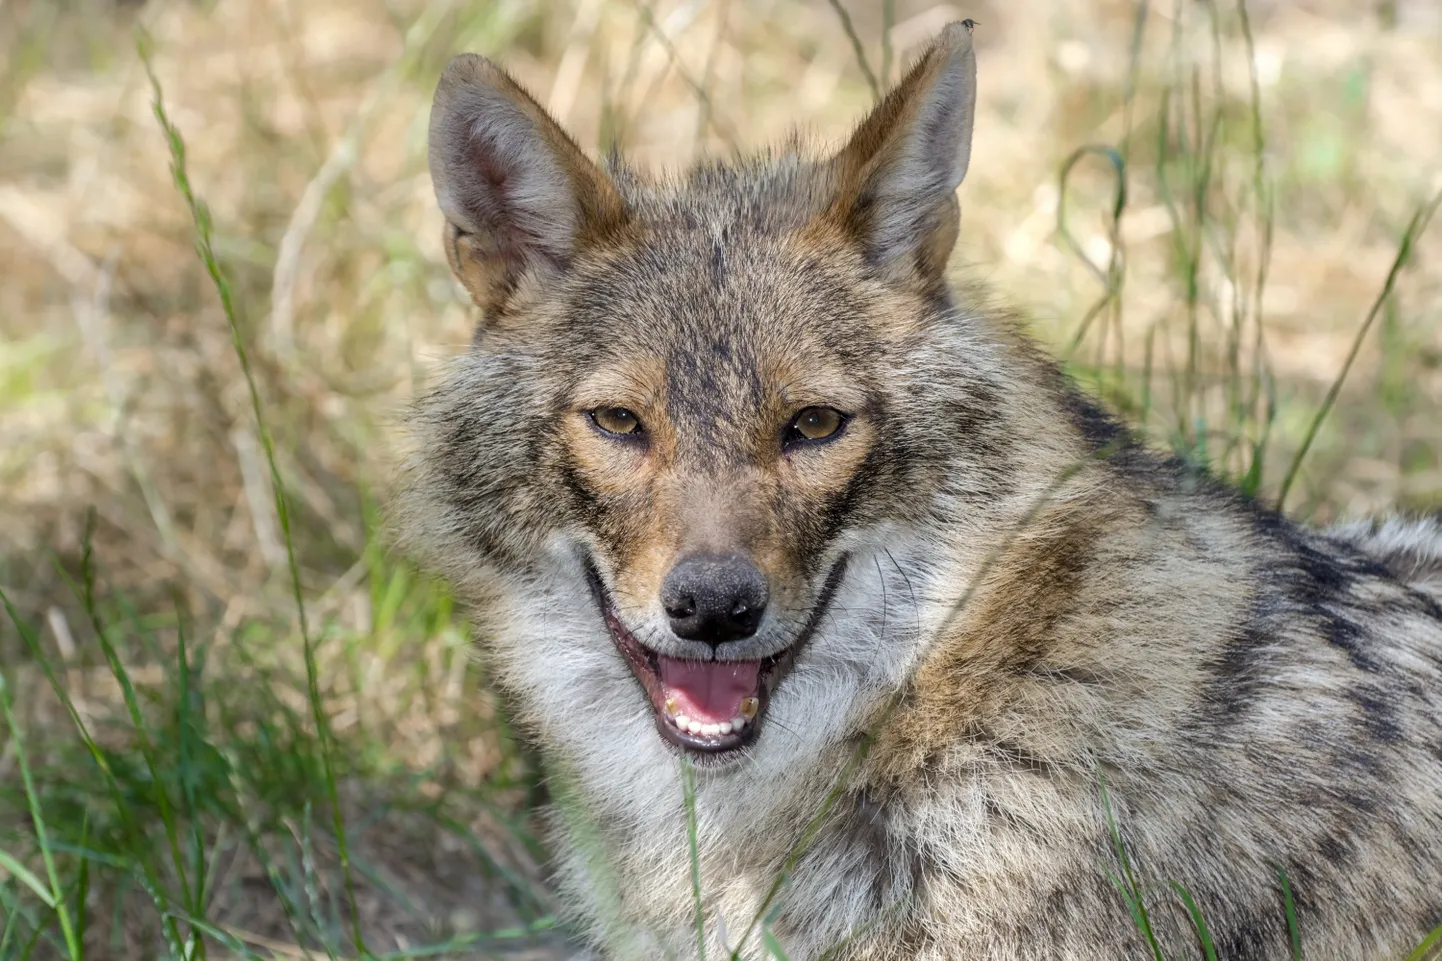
<point>714,597</point>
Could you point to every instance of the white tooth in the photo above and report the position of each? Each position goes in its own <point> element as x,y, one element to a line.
<point>710,730</point>
<point>682,721</point>
<point>694,727</point>
<point>737,723</point>
<point>725,727</point>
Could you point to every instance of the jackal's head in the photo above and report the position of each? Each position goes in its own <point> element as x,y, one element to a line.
<point>703,391</point>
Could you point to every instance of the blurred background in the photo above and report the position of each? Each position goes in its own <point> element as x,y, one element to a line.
<point>1197,204</point>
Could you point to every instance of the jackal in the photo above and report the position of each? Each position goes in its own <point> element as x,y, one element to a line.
<point>732,478</point>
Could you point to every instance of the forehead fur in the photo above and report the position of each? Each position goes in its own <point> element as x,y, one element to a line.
<point>770,192</point>
<point>726,264</point>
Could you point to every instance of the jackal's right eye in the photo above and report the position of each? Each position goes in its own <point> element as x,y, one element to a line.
<point>814,424</point>
<point>616,420</point>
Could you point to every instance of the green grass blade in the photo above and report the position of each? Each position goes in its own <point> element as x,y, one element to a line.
<point>236,946</point>
<point>200,215</point>
<point>1424,950</point>
<point>12,914</point>
<point>26,877</point>
<point>54,898</point>
<point>1199,923</point>
<point>1136,909</point>
<point>688,784</point>
<point>773,947</point>
<point>196,897</point>
<point>473,940</point>
<point>1127,883</point>
<point>29,949</point>
<point>803,843</point>
<point>1263,193</point>
<point>82,890</point>
<point>1415,228</point>
<point>1294,932</point>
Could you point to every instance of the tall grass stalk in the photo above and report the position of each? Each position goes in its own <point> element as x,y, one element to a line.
<point>54,896</point>
<point>1289,908</point>
<point>200,215</point>
<point>858,49</point>
<point>888,20</point>
<point>186,734</point>
<point>1126,883</point>
<point>132,707</point>
<point>1199,923</point>
<point>1420,218</point>
<point>699,90</point>
<point>1111,275</point>
<point>688,783</point>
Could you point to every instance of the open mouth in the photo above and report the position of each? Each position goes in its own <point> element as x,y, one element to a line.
<point>710,707</point>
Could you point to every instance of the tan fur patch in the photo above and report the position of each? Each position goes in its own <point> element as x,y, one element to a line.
<point>1009,627</point>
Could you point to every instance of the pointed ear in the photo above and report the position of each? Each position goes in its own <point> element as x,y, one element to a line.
<point>897,177</point>
<point>517,193</point>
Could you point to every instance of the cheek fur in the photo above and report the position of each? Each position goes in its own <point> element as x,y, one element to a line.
<point>616,481</point>
<point>820,487</point>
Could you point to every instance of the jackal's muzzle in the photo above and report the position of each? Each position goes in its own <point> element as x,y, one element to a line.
<point>713,706</point>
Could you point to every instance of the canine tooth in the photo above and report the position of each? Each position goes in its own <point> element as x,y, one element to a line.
<point>749,707</point>
<point>725,727</point>
<point>710,730</point>
<point>682,721</point>
<point>671,706</point>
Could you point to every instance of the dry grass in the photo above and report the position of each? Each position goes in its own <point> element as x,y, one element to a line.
<point>305,128</point>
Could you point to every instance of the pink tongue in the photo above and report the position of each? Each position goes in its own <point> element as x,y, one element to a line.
<point>708,691</point>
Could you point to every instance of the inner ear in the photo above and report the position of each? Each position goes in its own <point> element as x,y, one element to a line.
<point>896,178</point>
<point>518,194</point>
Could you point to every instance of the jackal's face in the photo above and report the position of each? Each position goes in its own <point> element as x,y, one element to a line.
<point>700,389</point>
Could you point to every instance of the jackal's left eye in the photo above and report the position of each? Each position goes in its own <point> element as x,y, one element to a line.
<point>616,420</point>
<point>814,423</point>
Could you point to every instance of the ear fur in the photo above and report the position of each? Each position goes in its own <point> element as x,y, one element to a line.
<point>897,177</point>
<point>517,193</point>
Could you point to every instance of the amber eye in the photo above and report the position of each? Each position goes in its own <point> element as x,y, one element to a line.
<point>815,423</point>
<point>616,420</point>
